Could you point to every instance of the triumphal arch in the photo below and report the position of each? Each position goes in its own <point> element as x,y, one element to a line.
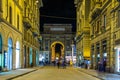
<point>56,41</point>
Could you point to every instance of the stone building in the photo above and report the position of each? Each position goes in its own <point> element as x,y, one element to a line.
<point>83,30</point>
<point>115,36</point>
<point>56,41</point>
<point>104,32</point>
<point>101,33</point>
<point>19,22</point>
<point>31,32</point>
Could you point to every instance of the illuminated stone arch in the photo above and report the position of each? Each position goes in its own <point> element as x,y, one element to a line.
<point>53,54</point>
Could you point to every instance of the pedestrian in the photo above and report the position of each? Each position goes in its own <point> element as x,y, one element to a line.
<point>64,64</point>
<point>58,64</point>
<point>104,65</point>
<point>71,63</point>
<point>54,62</point>
<point>86,64</point>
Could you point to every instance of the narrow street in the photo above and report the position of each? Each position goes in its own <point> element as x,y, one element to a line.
<point>53,73</point>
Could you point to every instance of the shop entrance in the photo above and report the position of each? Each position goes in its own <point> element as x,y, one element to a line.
<point>17,55</point>
<point>9,56</point>
<point>1,60</point>
<point>117,65</point>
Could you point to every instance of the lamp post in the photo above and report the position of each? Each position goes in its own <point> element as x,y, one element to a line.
<point>72,45</point>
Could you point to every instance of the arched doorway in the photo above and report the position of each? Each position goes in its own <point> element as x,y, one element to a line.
<point>9,57</point>
<point>1,59</point>
<point>17,55</point>
<point>57,51</point>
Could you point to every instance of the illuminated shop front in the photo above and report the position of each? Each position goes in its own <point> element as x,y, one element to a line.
<point>98,54</point>
<point>8,56</point>
<point>117,55</point>
<point>1,58</point>
<point>31,55</point>
<point>92,57</point>
<point>104,50</point>
<point>37,58</point>
<point>17,55</point>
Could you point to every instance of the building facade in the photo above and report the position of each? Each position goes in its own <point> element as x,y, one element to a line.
<point>11,44</point>
<point>31,32</point>
<point>56,41</point>
<point>12,36</point>
<point>104,32</point>
<point>83,30</point>
<point>100,33</point>
<point>115,36</point>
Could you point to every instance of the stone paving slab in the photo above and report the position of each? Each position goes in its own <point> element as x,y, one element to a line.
<point>101,75</point>
<point>16,73</point>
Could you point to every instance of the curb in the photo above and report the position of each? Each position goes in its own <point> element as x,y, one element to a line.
<point>91,74</point>
<point>21,74</point>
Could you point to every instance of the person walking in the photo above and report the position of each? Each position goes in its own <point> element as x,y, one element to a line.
<point>104,65</point>
<point>64,64</point>
<point>58,64</point>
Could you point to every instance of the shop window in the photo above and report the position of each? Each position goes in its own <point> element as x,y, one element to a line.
<point>98,51</point>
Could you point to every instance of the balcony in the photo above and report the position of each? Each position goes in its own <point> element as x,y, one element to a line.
<point>95,13</point>
<point>96,10</point>
<point>35,32</point>
<point>27,23</point>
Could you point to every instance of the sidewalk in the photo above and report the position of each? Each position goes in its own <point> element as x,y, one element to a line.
<point>16,73</point>
<point>101,75</point>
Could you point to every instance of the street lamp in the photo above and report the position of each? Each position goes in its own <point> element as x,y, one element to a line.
<point>72,45</point>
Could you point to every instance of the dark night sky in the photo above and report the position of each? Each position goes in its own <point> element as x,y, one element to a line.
<point>58,11</point>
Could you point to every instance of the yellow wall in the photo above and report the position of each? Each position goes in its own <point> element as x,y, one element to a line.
<point>15,11</point>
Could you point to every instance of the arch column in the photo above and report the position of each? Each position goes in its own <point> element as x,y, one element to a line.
<point>53,53</point>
